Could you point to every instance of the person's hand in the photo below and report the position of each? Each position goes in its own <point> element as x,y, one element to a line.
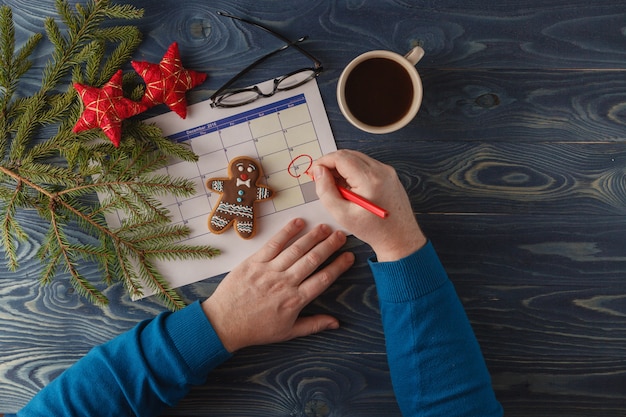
<point>391,238</point>
<point>260,300</point>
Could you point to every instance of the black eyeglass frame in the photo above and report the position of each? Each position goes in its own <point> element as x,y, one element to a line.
<point>221,93</point>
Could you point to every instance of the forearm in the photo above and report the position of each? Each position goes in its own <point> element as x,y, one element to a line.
<point>436,364</point>
<point>139,372</point>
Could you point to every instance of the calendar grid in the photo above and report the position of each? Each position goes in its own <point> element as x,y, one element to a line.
<point>274,134</point>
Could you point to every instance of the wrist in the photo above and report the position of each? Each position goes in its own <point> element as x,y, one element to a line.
<point>213,315</point>
<point>400,248</point>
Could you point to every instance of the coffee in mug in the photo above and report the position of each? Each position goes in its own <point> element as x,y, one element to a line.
<point>381,91</point>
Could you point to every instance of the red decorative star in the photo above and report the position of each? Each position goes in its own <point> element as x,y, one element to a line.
<point>167,82</point>
<point>106,107</point>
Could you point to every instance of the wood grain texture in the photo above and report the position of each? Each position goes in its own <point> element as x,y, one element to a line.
<point>272,383</point>
<point>515,166</point>
<point>508,178</point>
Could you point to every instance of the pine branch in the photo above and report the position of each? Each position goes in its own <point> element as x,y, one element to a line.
<point>181,252</point>
<point>126,270</point>
<point>11,229</point>
<point>119,56</point>
<point>153,278</point>
<point>68,255</point>
<point>123,11</point>
<point>7,39</point>
<point>60,174</point>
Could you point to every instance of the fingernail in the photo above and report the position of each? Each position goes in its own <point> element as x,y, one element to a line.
<point>318,172</point>
<point>333,325</point>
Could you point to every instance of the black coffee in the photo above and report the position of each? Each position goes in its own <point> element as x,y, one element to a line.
<point>379,92</point>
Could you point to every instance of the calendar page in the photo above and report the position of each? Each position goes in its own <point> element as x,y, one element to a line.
<point>284,133</point>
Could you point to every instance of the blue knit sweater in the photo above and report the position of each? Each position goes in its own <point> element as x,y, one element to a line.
<point>436,365</point>
<point>437,368</point>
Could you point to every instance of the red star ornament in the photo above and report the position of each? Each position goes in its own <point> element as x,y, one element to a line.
<point>167,82</point>
<point>106,107</point>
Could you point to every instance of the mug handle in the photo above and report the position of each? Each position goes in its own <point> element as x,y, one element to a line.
<point>414,55</point>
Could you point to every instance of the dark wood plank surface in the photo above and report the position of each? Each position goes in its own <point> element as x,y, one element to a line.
<point>516,169</point>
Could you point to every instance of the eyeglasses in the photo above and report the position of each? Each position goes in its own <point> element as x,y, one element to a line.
<point>241,96</point>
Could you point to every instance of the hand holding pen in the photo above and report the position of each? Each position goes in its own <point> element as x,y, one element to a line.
<point>346,193</point>
<point>391,237</point>
<point>358,200</point>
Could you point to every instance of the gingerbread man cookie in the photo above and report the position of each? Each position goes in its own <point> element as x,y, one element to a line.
<point>239,193</point>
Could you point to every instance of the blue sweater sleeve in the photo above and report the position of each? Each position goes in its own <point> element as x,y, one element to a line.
<point>138,373</point>
<point>437,368</point>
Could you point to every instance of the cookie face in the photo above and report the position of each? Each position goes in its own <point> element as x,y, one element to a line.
<point>239,193</point>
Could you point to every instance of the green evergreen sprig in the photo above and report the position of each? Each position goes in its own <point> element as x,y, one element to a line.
<point>58,176</point>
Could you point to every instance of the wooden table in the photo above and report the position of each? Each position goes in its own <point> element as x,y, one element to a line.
<point>516,168</point>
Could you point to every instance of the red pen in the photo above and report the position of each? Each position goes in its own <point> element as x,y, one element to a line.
<point>357,199</point>
<point>366,204</point>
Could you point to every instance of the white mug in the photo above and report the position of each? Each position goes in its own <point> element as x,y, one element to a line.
<point>381,91</point>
